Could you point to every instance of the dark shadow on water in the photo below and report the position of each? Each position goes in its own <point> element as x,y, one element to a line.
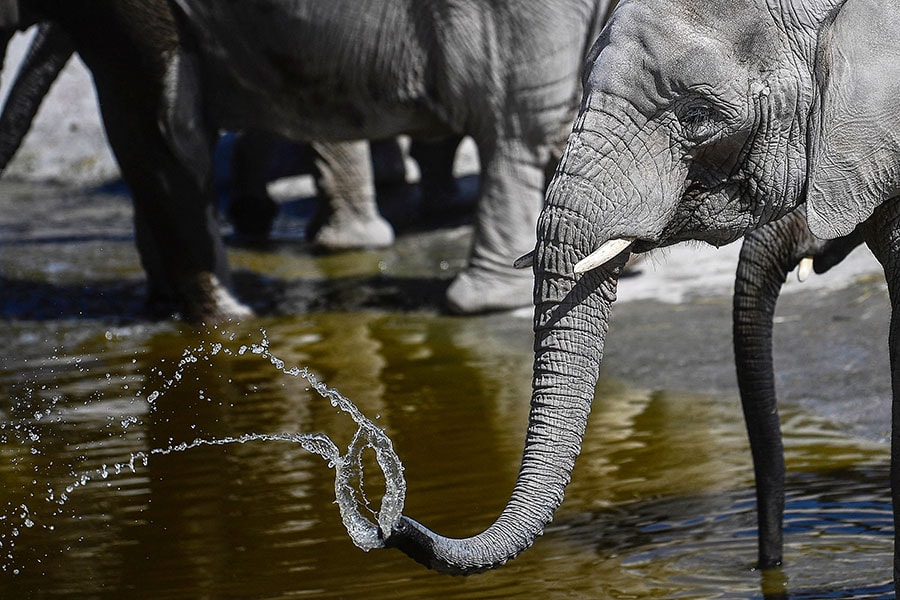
<point>66,239</point>
<point>269,296</point>
<point>119,301</point>
<point>126,302</point>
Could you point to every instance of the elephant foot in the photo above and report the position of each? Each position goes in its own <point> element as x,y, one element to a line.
<point>354,234</point>
<point>209,302</point>
<point>477,290</point>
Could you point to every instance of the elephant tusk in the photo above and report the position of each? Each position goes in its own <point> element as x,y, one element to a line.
<point>805,268</point>
<point>526,261</point>
<point>603,254</point>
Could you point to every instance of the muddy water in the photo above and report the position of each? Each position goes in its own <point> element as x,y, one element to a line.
<point>661,504</point>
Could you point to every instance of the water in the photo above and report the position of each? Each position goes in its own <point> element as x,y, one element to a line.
<point>661,504</point>
<point>350,492</point>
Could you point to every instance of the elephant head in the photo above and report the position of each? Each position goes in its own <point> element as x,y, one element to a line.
<point>700,120</point>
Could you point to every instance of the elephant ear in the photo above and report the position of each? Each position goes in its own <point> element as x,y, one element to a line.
<point>854,131</point>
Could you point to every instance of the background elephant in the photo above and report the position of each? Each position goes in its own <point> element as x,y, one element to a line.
<point>767,256</point>
<point>345,174</point>
<point>507,77</point>
<point>699,121</point>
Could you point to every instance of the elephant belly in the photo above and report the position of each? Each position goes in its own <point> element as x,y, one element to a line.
<point>296,115</point>
<point>311,70</point>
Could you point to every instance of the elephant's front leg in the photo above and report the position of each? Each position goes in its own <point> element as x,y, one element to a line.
<point>348,215</point>
<point>767,256</point>
<point>881,235</point>
<point>512,194</point>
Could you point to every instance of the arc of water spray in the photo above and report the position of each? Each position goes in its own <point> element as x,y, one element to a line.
<point>348,467</point>
<point>364,533</point>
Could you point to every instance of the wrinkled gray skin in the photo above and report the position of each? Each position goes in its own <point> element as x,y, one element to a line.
<point>701,120</point>
<point>508,77</point>
<point>767,256</point>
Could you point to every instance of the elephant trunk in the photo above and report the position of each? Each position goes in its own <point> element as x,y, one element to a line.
<point>767,256</point>
<point>570,324</point>
<point>50,49</point>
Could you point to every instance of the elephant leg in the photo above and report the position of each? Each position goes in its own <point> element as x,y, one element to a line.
<point>880,233</point>
<point>765,260</point>
<point>348,214</point>
<point>176,222</point>
<point>251,210</point>
<point>512,194</point>
<point>437,182</point>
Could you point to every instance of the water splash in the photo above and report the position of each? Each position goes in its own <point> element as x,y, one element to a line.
<point>349,467</point>
<point>349,488</point>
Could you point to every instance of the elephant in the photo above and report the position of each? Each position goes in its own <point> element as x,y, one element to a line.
<point>767,255</point>
<point>253,213</point>
<point>700,120</point>
<point>507,77</point>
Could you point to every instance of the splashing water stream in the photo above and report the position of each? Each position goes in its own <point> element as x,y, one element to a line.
<point>349,467</point>
<point>349,486</point>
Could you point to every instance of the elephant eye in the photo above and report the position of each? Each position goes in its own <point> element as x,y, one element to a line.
<point>699,121</point>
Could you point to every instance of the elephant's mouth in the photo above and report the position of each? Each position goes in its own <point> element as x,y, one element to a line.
<point>642,246</point>
<point>700,212</point>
